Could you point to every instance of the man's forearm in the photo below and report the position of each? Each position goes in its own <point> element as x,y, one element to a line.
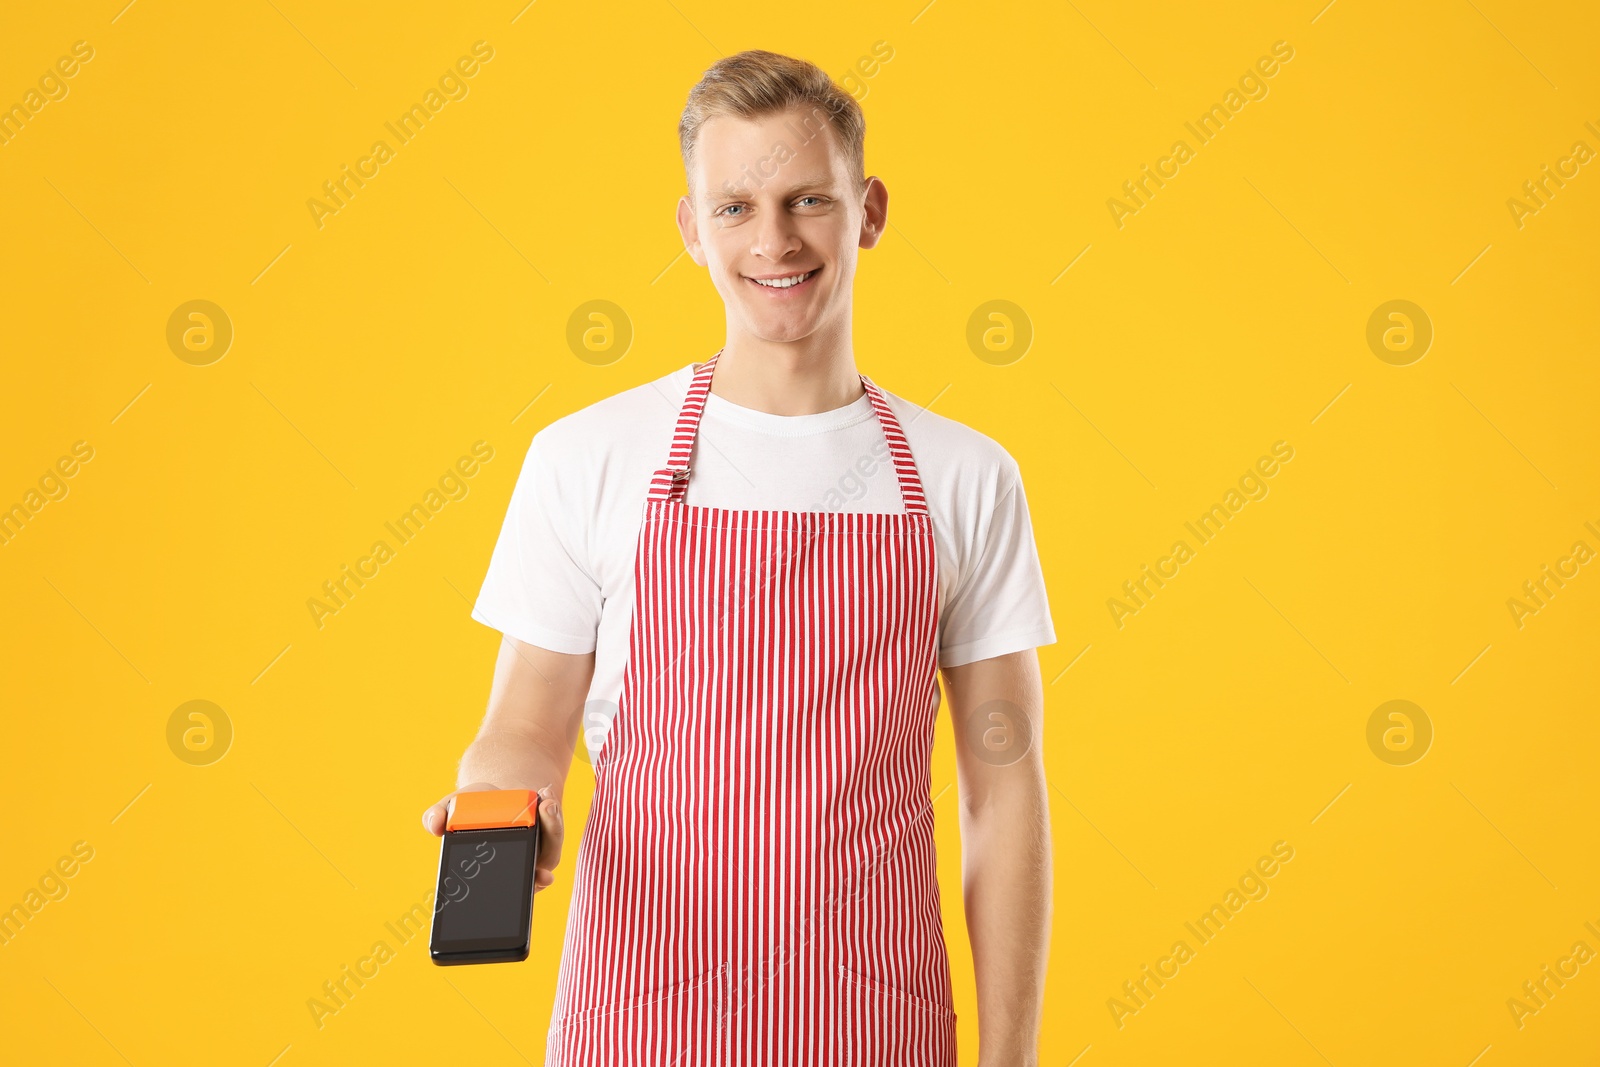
<point>515,759</point>
<point>528,737</point>
<point>1006,886</point>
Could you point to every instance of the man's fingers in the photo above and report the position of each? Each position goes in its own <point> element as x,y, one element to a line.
<point>552,829</point>
<point>434,818</point>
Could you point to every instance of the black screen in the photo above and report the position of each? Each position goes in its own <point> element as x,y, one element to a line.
<point>485,887</point>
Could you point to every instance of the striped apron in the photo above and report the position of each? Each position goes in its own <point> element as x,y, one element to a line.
<point>756,881</point>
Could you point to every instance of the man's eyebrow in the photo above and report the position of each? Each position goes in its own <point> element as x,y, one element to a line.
<point>813,181</point>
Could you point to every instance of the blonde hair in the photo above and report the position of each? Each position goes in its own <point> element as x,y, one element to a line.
<point>754,84</point>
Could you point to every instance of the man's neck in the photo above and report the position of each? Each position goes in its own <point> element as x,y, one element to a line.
<point>787,378</point>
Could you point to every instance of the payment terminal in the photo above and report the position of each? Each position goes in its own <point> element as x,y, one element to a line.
<point>483,911</point>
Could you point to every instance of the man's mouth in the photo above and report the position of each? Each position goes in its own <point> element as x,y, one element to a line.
<point>783,282</point>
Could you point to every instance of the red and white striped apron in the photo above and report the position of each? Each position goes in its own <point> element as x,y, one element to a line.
<point>756,880</point>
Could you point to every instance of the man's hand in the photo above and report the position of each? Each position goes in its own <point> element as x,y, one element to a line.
<point>552,829</point>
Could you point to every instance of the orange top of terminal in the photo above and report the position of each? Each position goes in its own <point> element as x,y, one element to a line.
<point>488,809</point>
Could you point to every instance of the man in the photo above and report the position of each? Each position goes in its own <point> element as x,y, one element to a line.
<point>758,564</point>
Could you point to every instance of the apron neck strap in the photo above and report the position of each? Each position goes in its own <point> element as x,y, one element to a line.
<point>672,481</point>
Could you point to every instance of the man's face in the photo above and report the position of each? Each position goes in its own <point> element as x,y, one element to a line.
<point>773,199</point>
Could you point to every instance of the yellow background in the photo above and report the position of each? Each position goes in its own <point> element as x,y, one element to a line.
<point>1227,314</point>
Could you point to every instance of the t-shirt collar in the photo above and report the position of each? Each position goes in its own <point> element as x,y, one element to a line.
<point>788,425</point>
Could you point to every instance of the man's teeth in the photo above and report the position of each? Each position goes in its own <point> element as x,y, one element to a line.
<point>784,283</point>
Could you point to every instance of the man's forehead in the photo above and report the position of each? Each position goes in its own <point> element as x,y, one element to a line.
<point>782,152</point>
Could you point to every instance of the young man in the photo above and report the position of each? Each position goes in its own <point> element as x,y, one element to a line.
<point>758,564</point>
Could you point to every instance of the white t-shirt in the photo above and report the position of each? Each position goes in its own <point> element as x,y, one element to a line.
<point>561,576</point>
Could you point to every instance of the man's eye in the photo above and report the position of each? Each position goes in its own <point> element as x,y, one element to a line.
<point>729,208</point>
<point>817,198</point>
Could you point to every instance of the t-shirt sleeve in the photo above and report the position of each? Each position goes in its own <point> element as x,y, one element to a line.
<point>538,588</point>
<point>999,604</point>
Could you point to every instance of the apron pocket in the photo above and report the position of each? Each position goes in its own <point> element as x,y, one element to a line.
<point>886,1025</point>
<point>682,1014</point>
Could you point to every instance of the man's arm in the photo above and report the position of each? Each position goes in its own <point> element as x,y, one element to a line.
<point>527,738</point>
<point>1005,847</point>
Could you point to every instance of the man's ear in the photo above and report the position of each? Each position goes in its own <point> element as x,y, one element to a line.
<point>689,228</point>
<point>875,213</point>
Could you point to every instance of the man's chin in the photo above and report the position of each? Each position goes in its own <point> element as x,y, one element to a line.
<point>781,332</point>
<point>794,326</point>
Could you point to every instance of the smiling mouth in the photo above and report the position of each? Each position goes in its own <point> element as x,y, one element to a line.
<point>792,281</point>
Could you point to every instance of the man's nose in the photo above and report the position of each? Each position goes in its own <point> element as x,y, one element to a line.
<point>775,236</point>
